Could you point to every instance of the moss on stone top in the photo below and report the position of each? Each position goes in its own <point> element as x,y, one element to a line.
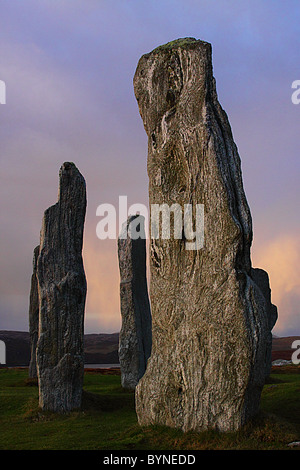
<point>181,42</point>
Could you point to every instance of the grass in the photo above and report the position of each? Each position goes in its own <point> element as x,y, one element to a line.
<point>107,420</point>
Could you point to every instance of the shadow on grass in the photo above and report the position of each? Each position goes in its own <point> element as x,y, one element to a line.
<point>264,432</point>
<point>97,402</point>
<point>92,404</point>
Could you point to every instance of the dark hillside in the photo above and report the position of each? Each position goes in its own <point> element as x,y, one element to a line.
<point>102,348</point>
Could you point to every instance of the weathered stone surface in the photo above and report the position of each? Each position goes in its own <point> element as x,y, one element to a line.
<point>62,293</point>
<point>261,278</point>
<point>33,315</point>
<point>210,324</point>
<point>135,337</point>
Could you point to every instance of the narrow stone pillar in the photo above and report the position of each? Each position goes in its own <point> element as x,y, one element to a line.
<point>33,315</point>
<point>261,278</point>
<point>135,335</point>
<point>62,294</point>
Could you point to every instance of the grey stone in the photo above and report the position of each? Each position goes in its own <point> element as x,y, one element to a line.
<point>62,294</point>
<point>135,337</point>
<point>33,315</point>
<point>209,321</point>
<point>261,278</point>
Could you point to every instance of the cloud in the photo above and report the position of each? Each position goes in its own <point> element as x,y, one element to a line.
<point>68,71</point>
<point>14,311</point>
<point>102,272</point>
<point>281,259</point>
<point>51,116</point>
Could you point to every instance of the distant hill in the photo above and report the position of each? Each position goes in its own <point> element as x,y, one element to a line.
<point>98,348</point>
<point>102,348</point>
<point>281,347</point>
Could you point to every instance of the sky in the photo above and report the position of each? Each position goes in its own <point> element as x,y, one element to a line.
<point>68,67</point>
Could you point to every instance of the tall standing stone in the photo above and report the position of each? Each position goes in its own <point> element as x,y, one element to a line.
<point>210,322</point>
<point>33,315</point>
<point>135,337</point>
<point>62,294</point>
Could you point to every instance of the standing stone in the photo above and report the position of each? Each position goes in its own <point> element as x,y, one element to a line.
<point>33,315</point>
<point>62,293</point>
<point>261,278</point>
<point>135,336</point>
<point>210,324</point>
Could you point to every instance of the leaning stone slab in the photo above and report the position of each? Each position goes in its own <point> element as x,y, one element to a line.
<point>62,294</point>
<point>33,315</point>
<point>135,337</point>
<point>210,323</point>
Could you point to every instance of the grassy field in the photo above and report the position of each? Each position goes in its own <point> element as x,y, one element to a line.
<point>108,421</point>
